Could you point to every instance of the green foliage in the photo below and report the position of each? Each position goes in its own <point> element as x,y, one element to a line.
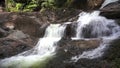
<point>9,5</point>
<point>31,5</point>
<point>48,4</point>
<point>16,7</point>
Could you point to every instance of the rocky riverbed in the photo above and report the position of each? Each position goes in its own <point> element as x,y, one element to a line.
<point>20,32</point>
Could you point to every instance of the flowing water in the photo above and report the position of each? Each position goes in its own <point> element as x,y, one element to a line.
<point>96,27</point>
<point>106,2</point>
<point>44,49</point>
<point>89,25</point>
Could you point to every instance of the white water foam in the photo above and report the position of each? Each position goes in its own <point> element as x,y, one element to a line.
<point>44,49</point>
<point>100,26</point>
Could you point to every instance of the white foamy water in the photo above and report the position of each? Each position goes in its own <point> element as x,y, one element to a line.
<point>106,2</point>
<point>44,49</point>
<point>89,26</point>
<point>103,28</point>
<point>97,26</point>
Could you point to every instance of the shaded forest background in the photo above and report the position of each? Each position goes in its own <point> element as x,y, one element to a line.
<point>40,5</point>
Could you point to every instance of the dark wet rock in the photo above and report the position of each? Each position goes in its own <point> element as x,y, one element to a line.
<point>117,21</point>
<point>3,17</point>
<point>19,35</point>
<point>112,55</point>
<point>27,22</point>
<point>92,43</point>
<point>88,63</point>
<point>16,34</point>
<point>3,33</point>
<point>65,15</point>
<point>69,48</point>
<point>111,11</point>
<point>110,59</point>
<point>81,44</point>
<point>15,43</point>
<point>10,47</point>
<point>28,25</point>
<point>20,31</point>
<point>70,30</point>
<point>35,23</point>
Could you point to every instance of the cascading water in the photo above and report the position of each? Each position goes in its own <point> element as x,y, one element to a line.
<point>107,2</point>
<point>96,27</point>
<point>89,25</point>
<point>43,50</point>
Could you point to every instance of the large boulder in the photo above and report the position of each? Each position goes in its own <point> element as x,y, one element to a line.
<point>67,49</point>
<point>29,23</point>
<point>15,43</point>
<point>3,33</point>
<point>91,43</point>
<point>35,23</point>
<point>111,11</point>
<point>110,58</point>
<point>10,47</point>
<point>112,54</point>
<point>20,31</point>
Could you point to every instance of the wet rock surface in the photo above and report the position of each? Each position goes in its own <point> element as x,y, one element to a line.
<point>110,59</point>
<point>111,11</point>
<point>15,43</point>
<point>10,47</point>
<point>69,48</point>
<point>117,21</point>
<point>35,23</point>
<point>20,31</point>
<point>112,55</point>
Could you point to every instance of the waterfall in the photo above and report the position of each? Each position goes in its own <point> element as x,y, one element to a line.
<point>44,49</point>
<point>106,2</point>
<point>96,27</point>
<point>89,26</point>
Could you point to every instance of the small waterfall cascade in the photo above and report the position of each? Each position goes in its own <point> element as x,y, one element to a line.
<point>52,35</point>
<point>96,27</point>
<point>89,26</point>
<point>45,48</point>
<point>106,2</point>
